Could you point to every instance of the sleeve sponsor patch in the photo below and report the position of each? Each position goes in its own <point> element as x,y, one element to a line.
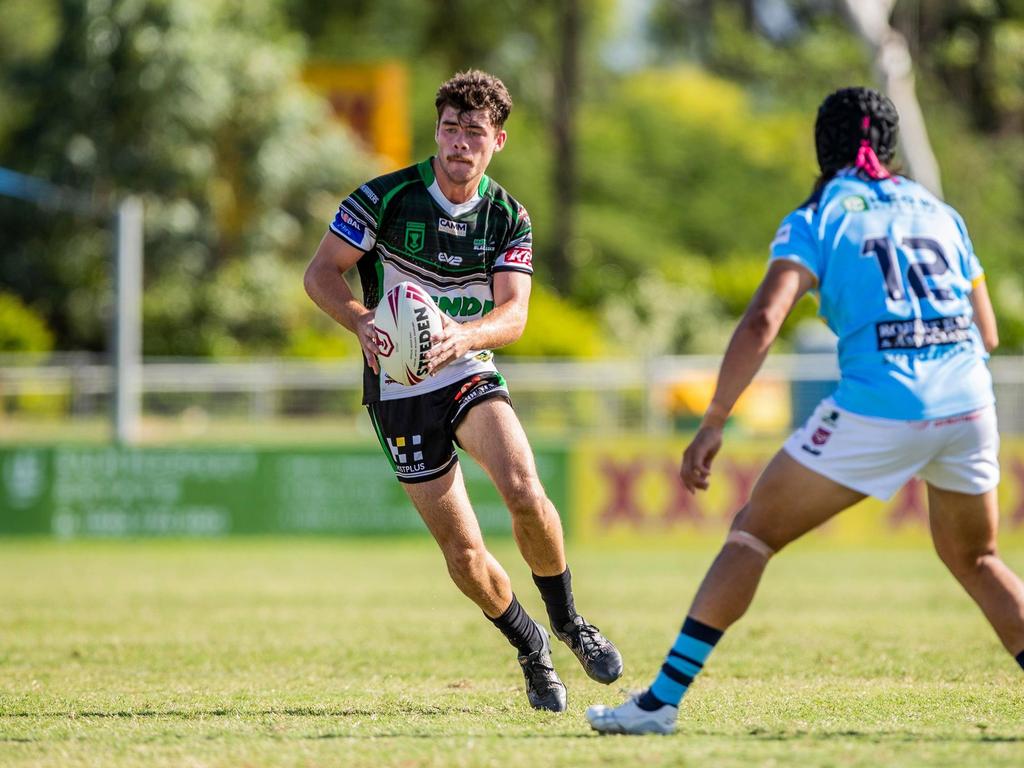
<point>795,241</point>
<point>518,256</point>
<point>782,236</point>
<point>352,229</point>
<point>370,194</point>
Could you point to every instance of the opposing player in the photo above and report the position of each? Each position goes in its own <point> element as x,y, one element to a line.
<point>899,283</point>
<point>445,225</point>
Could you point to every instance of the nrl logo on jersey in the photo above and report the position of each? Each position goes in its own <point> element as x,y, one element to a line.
<point>451,227</point>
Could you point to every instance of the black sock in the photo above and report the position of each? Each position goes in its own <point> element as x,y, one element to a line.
<point>648,702</point>
<point>557,594</point>
<point>1020,659</point>
<point>520,630</point>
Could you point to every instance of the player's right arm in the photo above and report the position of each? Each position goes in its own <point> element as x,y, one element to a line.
<point>326,286</point>
<point>783,285</point>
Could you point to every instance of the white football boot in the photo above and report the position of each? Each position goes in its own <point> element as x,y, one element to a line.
<point>629,718</point>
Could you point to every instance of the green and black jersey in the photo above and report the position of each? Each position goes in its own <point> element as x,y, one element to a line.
<point>410,231</point>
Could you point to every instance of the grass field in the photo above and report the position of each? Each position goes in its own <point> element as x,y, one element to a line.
<point>361,653</point>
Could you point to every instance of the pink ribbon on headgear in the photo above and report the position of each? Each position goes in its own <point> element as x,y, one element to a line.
<point>867,160</point>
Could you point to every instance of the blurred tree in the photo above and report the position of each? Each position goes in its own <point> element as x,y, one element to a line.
<point>977,50</point>
<point>193,103</point>
<point>970,56</point>
<point>28,32</point>
<point>894,69</point>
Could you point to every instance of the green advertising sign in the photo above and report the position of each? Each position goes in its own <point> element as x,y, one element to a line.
<point>72,491</point>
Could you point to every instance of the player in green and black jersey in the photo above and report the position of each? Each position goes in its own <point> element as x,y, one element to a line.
<point>446,226</point>
<point>411,231</point>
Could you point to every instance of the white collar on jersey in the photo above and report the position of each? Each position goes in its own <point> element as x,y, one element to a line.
<point>452,209</point>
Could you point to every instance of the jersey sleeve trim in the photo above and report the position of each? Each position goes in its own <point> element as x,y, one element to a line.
<point>511,268</point>
<point>342,237</point>
<point>350,225</point>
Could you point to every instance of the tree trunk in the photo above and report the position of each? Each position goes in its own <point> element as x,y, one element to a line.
<point>894,68</point>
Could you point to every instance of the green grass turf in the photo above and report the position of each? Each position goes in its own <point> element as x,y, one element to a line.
<point>361,653</point>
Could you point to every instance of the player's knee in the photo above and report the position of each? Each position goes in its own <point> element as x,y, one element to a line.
<point>525,497</point>
<point>970,563</point>
<point>749,542</point>
<point>465,563</point>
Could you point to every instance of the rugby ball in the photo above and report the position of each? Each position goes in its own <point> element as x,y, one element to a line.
<point>405,320</point>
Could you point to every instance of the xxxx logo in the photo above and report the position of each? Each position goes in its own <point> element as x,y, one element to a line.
<point>414,235</point>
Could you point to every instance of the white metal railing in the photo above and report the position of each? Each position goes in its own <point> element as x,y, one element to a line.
<point>626,393</point>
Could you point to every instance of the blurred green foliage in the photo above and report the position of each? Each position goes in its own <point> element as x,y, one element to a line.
<point>21,329</point>
<point>686,164</point>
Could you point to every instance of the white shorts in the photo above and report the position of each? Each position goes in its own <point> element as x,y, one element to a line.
<point>878,456</point>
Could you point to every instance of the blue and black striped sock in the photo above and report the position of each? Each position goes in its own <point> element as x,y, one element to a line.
<point>683,663</point>
<point>1020,659</point>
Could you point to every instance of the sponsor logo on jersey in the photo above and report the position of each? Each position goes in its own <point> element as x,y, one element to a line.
<point>855,204</point>
<point>782,236</point>
<point>463,306</point>
<point>369,194</point>
<point>918,333</point>
<point>517,255</point>
<point>349,226</point>
<point>415,232</point>
<point>480,244</point>
<point>820,436</point>
<point>446,258</point>
<point>456,228</point>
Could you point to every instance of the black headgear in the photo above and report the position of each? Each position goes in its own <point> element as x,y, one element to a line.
<point>839,129</point>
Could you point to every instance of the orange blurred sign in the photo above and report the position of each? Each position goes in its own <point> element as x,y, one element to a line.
<point>628,490</point>
<point>373,100</point>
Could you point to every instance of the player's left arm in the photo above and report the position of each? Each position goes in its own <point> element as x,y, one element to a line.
<point>984,315</point>
<point>502,325</point>
<point>783,285</point>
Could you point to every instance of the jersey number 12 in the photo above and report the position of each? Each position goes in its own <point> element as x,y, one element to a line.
<point>882,249</point>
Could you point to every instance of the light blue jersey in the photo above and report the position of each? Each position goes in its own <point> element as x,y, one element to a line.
<point>895,270</point>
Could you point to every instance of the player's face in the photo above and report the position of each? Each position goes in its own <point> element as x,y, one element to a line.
<point>465,144</point>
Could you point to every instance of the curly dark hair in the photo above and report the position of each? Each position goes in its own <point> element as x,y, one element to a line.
<point>839,128</point>
<point>471,90</point>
